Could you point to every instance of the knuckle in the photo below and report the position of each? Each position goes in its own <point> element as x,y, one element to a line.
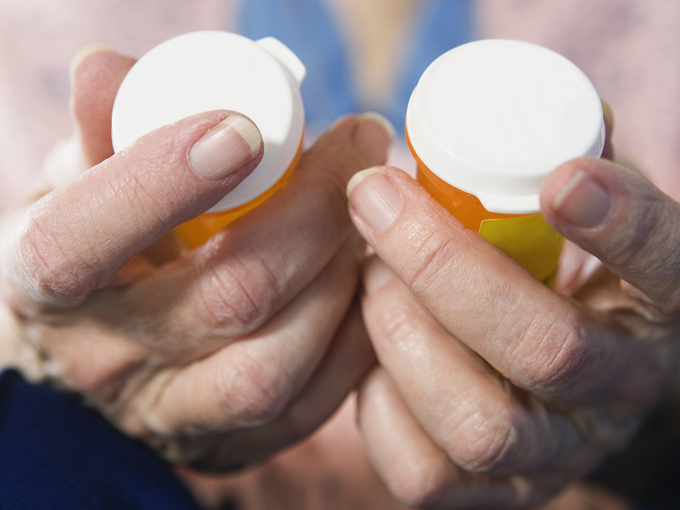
<point>239,296</point>
<point>482,445</point>
<point>560,361</point>
<point>552,353</point>
<point>252,393</point>
<point>135,180</point>
<point>663,287</point>
<point>626,252</point>
<point>432,256</point>
<point>397,323</point>
<point>133,191</point>
<point>50,272</point>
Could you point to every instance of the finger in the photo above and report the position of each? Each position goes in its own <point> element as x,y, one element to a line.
<point>248,272</point>
<point>472,414</point>
<point>251,382</point>
<point>531,335</point>
<point>416,471</point>
<point>76,238</point>
<point>622,219</point>
<point>347,360</point>
<point>96,75</point>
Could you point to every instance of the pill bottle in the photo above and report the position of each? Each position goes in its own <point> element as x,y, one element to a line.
<point>487,122</point>
<point>211,70</point>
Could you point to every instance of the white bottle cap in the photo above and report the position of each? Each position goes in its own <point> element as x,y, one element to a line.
<point>493,118</point>
<point>211,70</point>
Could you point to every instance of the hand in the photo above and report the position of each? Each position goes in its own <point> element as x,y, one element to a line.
<point>330,470</point>
<point>217,357</point>
<point>494,391</point>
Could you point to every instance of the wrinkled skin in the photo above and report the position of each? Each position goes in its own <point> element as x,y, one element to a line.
<point>493,391</point>
<point>207,388</point>
<point>217,357</point>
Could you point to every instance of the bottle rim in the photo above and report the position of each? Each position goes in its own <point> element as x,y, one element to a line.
<point>494,117</point>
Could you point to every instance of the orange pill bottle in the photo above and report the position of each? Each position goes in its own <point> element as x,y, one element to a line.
<point>487,122</point>
<point>210,70</point>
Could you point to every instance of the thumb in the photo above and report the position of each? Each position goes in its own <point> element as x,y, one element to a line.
<point>76,238</point>
<point>622,219</point>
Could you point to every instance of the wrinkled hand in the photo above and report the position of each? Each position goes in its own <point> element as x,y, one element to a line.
<point>494,391</point>
<point>217,357</point>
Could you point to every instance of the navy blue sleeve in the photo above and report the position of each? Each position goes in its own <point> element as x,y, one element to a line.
<point>56,453</point>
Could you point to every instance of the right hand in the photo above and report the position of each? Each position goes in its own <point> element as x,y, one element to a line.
<point>493,390</point>
<point>219,357</point>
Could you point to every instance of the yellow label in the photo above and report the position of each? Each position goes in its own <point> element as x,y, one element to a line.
<point>529,240</point>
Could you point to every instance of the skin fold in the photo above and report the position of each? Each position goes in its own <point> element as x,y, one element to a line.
<point>566,383</point>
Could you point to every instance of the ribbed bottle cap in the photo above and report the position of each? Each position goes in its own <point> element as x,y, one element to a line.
<point>210,70</point>
<point>493,118</point>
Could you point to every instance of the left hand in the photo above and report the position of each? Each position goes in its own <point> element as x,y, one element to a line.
<point>217,357</point>
<point>493,391</point>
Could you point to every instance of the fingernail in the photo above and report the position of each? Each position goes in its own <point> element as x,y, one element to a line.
<point>374,198</point>
<point>376,275</point>
<point>383,121</point>
<point>225,148</point>
<point>85,52</point>
<point>583,201</point>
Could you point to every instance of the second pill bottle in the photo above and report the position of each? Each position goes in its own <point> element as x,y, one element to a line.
<point>487,122</point>
<point>211,70</point>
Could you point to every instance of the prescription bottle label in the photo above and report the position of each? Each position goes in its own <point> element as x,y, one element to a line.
<point>526,238</point>
<point>529,240</point>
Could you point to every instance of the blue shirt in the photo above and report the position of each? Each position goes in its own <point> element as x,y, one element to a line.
<point>57,453</point>
<point>308,29</point>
